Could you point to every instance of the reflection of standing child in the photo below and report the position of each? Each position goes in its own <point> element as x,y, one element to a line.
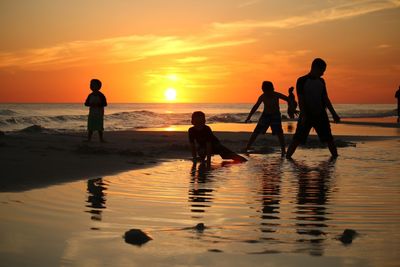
<point>204,143</point>
<point>271,115</point>
<point>96,101</point>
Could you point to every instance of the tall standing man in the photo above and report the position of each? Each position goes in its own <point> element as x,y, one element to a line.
<point>313,102</point>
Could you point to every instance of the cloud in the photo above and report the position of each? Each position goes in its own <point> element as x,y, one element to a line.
<point>343,11</point>
<point>191,60</point>
<point>116,50</point>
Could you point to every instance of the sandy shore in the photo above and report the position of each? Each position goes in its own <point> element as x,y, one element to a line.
<point>41,158</point>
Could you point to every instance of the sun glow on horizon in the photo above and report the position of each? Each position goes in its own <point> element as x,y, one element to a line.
<point>170,94</point>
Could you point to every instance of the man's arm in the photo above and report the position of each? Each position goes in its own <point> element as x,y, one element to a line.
<point>254,109</point>
<point>87,101</point>
<point>328,104</point>
<point>300,91</point>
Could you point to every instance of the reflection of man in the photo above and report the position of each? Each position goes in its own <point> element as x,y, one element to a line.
<point>312,198</point>
<point>397,95</point>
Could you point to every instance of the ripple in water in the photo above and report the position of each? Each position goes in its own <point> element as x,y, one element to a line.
<point>268,206</point>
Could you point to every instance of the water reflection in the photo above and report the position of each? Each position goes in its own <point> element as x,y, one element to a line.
<point>312,198</point>
<point>96,197</point>
<point>270,195</point>
<point>200,190</point>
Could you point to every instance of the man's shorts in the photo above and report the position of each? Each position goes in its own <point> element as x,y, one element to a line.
<point>321,126</point>
<point>267,120</point>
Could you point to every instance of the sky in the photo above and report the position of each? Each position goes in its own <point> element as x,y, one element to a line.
<point>214,51</point>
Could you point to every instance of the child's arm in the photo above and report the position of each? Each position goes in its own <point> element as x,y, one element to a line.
<point>254,109</point>
<point>209,153</point>
<point>282,96</point>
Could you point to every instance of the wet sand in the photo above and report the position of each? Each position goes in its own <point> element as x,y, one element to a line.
<point>40,157</point>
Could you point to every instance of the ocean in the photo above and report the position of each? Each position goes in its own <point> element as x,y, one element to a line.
<point>73,117</point>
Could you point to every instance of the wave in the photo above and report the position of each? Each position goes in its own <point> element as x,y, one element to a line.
<point>7,112</point>
<point>126,120</point>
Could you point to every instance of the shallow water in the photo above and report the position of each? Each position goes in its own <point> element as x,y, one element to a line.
<point>266,212</point>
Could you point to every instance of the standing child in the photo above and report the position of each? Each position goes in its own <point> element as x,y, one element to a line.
<point>96,101</point>
<point>271,115</point>
<point>204,143</point>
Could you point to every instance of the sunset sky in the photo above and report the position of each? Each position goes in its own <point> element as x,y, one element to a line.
<point>202,51</point>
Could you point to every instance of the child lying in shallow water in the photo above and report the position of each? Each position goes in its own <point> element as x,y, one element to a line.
<point>204,143</point>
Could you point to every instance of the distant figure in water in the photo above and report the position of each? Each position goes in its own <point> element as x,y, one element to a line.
<point>292,108</point>
<point>313,101</point>
<point>397,95</point>
<point>204,143</point>
<point>96,101</point>
<point>271,115</point>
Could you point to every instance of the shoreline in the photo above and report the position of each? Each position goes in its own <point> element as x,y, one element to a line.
<point>39,159</point>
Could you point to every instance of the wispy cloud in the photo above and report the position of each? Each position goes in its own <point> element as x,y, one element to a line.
<point>116,50</point>
<point>249,3</point>
<point>343,11</point>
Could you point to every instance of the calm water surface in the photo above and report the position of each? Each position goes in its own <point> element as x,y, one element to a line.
<point>266,212</point>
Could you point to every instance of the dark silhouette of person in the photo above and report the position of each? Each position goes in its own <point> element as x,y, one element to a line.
<point>312,197</point>
<point>313,102</point>
<point>397,95</point>
<point>204,143</point>
<point>96,101</point>
<point>200,191</point>
<point>271,116</point>
<point>270,195</point>
<point>292,108</point>
<point>96,197</point>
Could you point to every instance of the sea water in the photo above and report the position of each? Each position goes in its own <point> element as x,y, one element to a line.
<point>73,117</point>
<point>266,212</point>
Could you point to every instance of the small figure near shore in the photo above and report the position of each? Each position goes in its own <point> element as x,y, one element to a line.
<point>292,107</point>
<point>204,143</point>
<point>397,95</point>
<point>313,102</point>
<point>271,115</point>
<point>96,101</point>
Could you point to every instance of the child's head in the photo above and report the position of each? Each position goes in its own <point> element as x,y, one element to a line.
<point>291,89</point>
<point>95,85</point>
<point>198,118</point>
<point>267,87</point>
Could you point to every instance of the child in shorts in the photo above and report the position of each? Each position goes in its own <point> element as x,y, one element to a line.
<point>204,143</point>
<point>96,102</point>
<point>271,116</point>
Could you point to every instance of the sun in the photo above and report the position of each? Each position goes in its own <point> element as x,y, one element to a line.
<point>170,94</point>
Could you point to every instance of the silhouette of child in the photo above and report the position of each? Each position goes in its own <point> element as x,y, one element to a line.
<point>292,104</point>
<point>271,115</point>
<point>96,102</point>
<point>204,143</point>
<point>313,102</point>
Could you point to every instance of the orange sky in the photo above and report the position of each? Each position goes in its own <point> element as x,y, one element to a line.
<point>208,51</point>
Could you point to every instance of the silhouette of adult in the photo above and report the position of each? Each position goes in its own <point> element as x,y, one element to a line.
<point>313,102</point>
<point>397,95</point>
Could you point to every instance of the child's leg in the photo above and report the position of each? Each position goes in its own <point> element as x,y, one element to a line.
<point>226,153</point>
<point>281,139</point>
<point>251,140</point>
